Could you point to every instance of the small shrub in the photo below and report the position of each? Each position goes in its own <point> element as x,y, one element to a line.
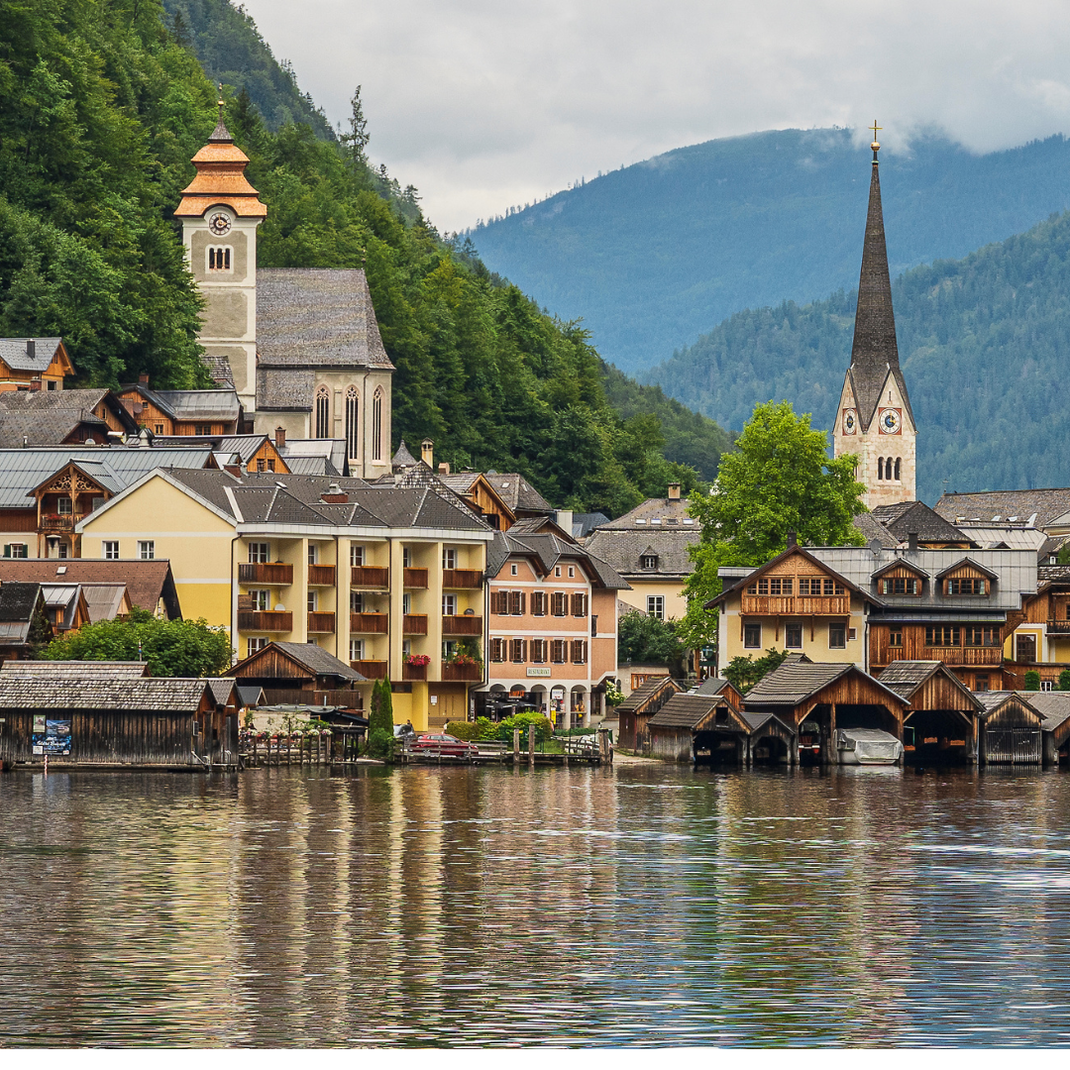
<point>1064,680</point>
<point>543,728</point>
<point>467,730</point>
<point>1032,680</point>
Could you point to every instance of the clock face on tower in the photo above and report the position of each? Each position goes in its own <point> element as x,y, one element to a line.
<point>890,421</point>
<point>219,223</point>
<point>849,422</point>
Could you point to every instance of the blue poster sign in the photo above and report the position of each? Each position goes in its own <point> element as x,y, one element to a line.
<point>56,738</point>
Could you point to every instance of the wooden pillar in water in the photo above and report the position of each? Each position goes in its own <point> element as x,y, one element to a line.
<point>531,744</point>
<point>832,755</point>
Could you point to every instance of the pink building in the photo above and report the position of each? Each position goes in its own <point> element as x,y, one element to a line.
<point>551,626</point>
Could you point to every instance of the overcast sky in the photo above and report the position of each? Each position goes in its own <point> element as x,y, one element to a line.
<point>483,104</point>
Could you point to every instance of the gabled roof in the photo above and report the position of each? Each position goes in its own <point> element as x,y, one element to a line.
<point>517,493</point>
<point>311,658</point>
<point>65,692</point>
<point>106,669</point>
<point>993,701</point>
<point>1032,508</point>
<point>905,518</point>
<point>906,677</point>
<point>15,353</point>
<point>647,692</point>
<point>796,681</point>
<point>218,405</point>
<point>714,685</point>
<point>962,563</point>
<point>50,417</point>
<point>898,563</point>
<point>547,550</point>
<point>317,318</point>
<point>1053,706</point>
<point>874,532</point>
<point>18,604</point>
<point>689,711</point>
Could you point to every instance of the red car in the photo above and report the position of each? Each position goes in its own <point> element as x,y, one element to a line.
<point>446,746</point>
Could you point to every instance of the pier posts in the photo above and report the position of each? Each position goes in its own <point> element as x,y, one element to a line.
<point>531,744</point>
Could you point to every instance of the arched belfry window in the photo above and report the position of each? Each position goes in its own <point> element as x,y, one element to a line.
<point>323,413</point>
<point>880,467</point>
<point>897,462</point>
<point>352,422</point>
<point>377,425</point>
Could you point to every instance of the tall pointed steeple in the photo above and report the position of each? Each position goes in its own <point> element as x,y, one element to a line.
<point>875,420</point>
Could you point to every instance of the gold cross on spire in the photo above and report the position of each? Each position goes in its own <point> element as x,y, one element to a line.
<point>876,144</point>
<point>875,127</point>
<point>220,103</point>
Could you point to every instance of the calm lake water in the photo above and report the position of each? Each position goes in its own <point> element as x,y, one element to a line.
<point>640,905</point>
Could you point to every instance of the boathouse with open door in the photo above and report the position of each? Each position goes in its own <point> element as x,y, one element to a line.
<point>1054,706</point>
<point>635,711</point>
<point>697,727</point>
<point>1011,729</point>
<point>940,724</point>
<point>817,699</point>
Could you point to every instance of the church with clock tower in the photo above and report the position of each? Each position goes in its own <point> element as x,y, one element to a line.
<point>874,419</point>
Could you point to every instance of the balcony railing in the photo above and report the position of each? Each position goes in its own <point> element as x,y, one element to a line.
<point>369,576</point>
<point>266,573</point>
<point>60,521</point>
<point>1059,627</point>
<point>368,623</point>
<point>414,624</point>
<point>321,575</point>
<point>415,578</point>
<point>461,673</point>
<point>320,622</point>
<point>462,625</point>
<point>373,670</point>
<point>754,605</point>
<point>265,620</point>
<point>461,578</point>
<point>414,672</point>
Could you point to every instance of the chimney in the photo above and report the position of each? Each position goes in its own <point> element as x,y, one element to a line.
<point>35,385</point>
<point>143,379</point>
<point>334,495</point>
<point>674,491</point>
<point>31,348</point>
<point>443,468</point>
<point>280,437</point>
<point>912,540</point>
<point>792,539</point>
<point>427,453</point>
<point>564,520</point>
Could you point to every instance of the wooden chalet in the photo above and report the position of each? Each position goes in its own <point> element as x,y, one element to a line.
<point>815,700</point>
<point>182,412</point>
<point>79,717</point>
<point>940,724</point>
<point>33,363</point>
<point>1041,640</point>
<point>305,674</point>
<point>636,710</point>
<point>1011,729</point>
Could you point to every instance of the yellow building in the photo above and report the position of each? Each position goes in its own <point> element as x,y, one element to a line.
<point>388,579</point>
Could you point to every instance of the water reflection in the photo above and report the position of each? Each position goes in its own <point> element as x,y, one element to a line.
<point>642,905</point>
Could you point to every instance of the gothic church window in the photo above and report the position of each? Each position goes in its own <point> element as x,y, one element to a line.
<point>377,425</point>
<point>323,413</point>
<point>897,462</point>
<point>352,413</point>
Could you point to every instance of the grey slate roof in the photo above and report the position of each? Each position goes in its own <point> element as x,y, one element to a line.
<point>549,550</point>
<point>13,352</point>
<point>284,389</point>
<point>315,456</point>
<point>221,372</point>
<point>1053,706</point>
<point>903,518</point>
<point>108,670</point>
<point>658,525</point>
<point>796,681</point>
<point>68,692</point>
<point>584,523</point>
<point>991,701</point>
<point>517,492</point>
<point>714,685</point>
<point>874,532</point>
<point>1035,508</point>
<point>685,711</point>
<point>316,317</point>
<point>404,458</point>
<point>17,601</point>
<point>648,690</point>
<point>317,660</point>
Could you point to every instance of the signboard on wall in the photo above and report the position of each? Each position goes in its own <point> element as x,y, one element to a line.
<point>538,671</point>
<point>55,739</point>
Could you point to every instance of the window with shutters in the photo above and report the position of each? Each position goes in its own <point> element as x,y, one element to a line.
<point>497,650</point>
<point>517,651</point>
<point>557,651</point>
<point>516,603</point>
<point>559,603</point>
<point>579,605</point>
<point>538,651</point>
<point>579,651</point>
<point>539,601</point>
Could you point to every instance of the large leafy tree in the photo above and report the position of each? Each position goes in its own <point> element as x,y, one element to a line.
<point>645,640</point>
<point>779,480</point>
<point>171,647</point>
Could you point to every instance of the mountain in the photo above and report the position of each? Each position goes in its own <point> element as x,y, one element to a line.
<point>653,255</point>
<point>102,106</point>
<point>983,343</point>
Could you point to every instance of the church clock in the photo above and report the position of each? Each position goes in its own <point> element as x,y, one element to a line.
<point>219,223</point>
<point>849,421</point>
<point>890,421</point>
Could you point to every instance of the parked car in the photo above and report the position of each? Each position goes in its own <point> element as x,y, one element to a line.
<point>447,746</point>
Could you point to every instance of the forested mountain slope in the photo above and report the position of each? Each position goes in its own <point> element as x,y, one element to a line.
<point>651,256</point>
<point>983,342</point>
<point>101,109</point>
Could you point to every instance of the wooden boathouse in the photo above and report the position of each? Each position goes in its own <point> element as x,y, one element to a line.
<point>815,699</point>
<point>940,723</point>
<point>101,719</point>
<point>1054,706</point>
<point>635,711</point>
<point>1011,729</point>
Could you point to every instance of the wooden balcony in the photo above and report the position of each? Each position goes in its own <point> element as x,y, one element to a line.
<point>265,574</point>
<point>1059,627</point>
<point>461,673</point>
<point>369,576</point>
<point>265,620</point>
<point>413,672</point>
<point>373,670</point>
<point>461,579</point>
<point>462,625</point>
<point>761,605</point>
<point>415,579</point>
<point>60,521</point>
<point>368,623</point>
<point>320,623</point>
<point>321,575</point>
<point>414,624</point>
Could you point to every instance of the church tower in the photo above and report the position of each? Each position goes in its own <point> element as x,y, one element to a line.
<point>874,420</point>
<point>220,212</point>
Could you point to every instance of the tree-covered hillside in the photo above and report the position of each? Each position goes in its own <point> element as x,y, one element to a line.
<point>651,256</point>
<point>983,344</point>
<point>101,109</point>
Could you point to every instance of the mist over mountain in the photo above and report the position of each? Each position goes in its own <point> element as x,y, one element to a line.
<point>653,255</point>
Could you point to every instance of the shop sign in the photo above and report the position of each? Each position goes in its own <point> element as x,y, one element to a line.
<point>538,671</point>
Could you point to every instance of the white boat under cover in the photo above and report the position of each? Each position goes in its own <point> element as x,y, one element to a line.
<point>867,746</point>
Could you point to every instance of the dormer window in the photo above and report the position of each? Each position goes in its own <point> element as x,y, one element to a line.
<point>648,561</point>
<point>219,257</point>
<point>958,585</point>
<point>900,585</point>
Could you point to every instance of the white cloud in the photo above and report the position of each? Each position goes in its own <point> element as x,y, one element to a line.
<point>483,105</point>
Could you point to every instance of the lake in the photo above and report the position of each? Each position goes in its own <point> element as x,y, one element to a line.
<point>637,905</point>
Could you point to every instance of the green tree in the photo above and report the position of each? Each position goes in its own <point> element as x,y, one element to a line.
<point>645,640</point>
<point>381,722</point>
<point>779,480</point>
<point>1032,680</point>
<point>1064,680</point>
<point>744,672</point>
<point>171,647</point>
